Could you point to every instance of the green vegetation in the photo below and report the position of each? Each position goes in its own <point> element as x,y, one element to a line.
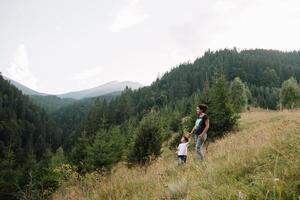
<point>290,94</point>
<point>239,95</point>
<point>221,107</point>
<point>51,103</point>
<point>148,140</point>
<point>96,134</point>
<point>27,137</point>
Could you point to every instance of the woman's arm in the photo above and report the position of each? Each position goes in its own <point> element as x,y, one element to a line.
<point>193,130</point>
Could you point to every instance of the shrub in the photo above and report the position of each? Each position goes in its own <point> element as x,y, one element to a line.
<point>148,140</point>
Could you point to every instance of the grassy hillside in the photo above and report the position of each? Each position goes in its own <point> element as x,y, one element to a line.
<point>259,161</point>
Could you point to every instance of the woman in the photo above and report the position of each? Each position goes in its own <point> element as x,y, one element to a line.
<point>200,129</point>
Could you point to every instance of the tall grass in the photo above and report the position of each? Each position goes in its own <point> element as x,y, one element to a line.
<point>261,160</point>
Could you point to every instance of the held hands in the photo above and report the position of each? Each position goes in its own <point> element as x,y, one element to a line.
<point>188,135</point>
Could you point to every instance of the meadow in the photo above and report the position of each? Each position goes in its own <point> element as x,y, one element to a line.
<point>258,160</point>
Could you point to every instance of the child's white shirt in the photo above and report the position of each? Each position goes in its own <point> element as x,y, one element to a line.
<point>182,149</point>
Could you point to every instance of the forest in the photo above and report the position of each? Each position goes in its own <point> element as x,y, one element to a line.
<point>36,139</point>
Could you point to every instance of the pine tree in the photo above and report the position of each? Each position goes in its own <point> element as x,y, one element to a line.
<point>106,149</point>
<point>58,158</point>
<point>290,94</point>
<point>238,95</point>
<point>220,111</point>
<point>79,152</point>
<point>9,176</point>
<point>148,140</point>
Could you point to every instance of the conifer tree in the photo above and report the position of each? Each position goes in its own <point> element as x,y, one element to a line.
<point>238,95</point>
<point>290,93</point>
<point>220,111</point>
<point>148,140</point>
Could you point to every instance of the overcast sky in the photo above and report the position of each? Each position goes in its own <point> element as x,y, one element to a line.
<point>56,46</point>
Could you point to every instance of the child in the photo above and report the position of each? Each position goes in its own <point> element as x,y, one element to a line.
<point>182,150</point>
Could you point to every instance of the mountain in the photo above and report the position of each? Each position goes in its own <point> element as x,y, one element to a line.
<point>113,86</point>
<point>23,88</point>
<point>52,103</point>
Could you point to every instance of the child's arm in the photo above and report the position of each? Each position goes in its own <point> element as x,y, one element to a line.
<point>177,150</point>
<point>188,135</point>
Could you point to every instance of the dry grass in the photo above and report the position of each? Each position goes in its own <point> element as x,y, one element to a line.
<point>261,160</point>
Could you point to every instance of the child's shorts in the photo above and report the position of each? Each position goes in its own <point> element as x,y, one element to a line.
<point>181,159</point>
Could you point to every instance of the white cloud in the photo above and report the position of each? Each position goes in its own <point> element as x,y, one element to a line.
<point>180,55</point>
<point>19,68</point>
<point>88,78</point>
<point>261,24</point>
<point>224,7</point>
<point>130,15</point>
<point>88,74</point>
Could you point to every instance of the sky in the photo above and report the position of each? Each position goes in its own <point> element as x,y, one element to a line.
<point>57,46</point>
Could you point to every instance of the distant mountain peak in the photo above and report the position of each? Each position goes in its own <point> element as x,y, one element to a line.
<point>106,88</point>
